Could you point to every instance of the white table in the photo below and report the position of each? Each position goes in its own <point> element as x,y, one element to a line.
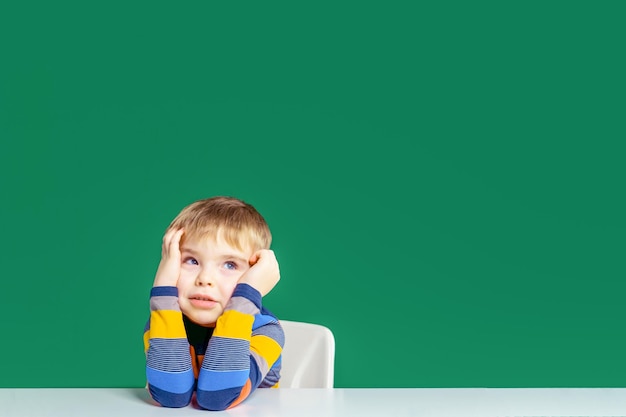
<point>368,402</point>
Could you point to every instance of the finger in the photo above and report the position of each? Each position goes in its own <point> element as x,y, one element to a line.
<point>172,237</point>
<point>254,258</point>
<point>165,244</point>
<point>261,254</point>
<point>167,237</point>
<point>175,241</point>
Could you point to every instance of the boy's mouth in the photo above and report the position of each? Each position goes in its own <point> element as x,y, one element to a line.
<point>202,301</point>
<point>201,297</point>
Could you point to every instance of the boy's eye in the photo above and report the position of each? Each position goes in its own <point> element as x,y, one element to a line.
<point>230,265</point>
<point>190,261</point>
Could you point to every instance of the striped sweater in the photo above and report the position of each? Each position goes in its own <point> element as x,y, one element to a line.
<point>224,364</point>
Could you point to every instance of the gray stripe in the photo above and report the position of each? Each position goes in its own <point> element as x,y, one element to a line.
<point>242,305</point>
<point>261,363</point>
<point>164,302</point>
<point>272,377</point>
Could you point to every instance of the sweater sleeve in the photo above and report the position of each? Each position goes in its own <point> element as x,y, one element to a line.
<point>168,361</point>
<point>246,344</point>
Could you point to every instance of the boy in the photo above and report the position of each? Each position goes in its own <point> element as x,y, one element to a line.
<point>208,332</point>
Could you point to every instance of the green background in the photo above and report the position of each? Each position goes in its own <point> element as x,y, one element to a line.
<point>444,180</point>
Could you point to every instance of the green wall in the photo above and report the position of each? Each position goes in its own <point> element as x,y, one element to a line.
<point>444,180</point>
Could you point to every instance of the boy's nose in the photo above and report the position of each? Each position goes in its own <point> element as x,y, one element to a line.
<point>205,277</point>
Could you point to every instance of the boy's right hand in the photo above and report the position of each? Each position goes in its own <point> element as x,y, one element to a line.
<point>169,267</point>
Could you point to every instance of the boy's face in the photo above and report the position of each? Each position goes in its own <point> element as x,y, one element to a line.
<point>210,270</point>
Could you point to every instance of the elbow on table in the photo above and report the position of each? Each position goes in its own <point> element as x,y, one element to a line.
<point>210,402</point>
<point>219,400</point>
<point>169,399</point>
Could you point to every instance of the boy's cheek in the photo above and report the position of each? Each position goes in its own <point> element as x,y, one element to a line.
<point>183,283</point>
<point>228,292</point>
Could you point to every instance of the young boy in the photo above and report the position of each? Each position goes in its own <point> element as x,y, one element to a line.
<point>208,332</point>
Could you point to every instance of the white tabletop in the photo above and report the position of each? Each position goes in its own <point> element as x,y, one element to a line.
<point>384,402</point>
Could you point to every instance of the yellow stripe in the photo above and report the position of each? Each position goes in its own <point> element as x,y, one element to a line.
<point>234,324</point>
<point>167,324</point>
<point>146,340</point>
<point>266,347</point>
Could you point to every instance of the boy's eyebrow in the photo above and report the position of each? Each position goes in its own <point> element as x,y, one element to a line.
<point>221,255</point>
<point>235,257</point>
<point>186,249</point>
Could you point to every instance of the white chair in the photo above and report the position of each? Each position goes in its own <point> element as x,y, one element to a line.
<point>308,357</point>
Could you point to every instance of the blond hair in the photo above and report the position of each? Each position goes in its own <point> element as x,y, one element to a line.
<point>238,222</point>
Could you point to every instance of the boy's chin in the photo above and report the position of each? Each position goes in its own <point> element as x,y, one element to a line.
<point>206,320</point>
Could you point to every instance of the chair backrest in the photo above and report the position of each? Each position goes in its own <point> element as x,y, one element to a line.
<point>308,357</point>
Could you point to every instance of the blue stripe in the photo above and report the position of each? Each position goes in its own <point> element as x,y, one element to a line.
<point>222,398</point>
<point>215,381</point>
<point>176,382</point>
<point>261,320</point>
<point>160,291</point>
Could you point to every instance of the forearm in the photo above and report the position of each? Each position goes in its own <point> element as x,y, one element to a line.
<point>168,361</point>
<point>240,352</point>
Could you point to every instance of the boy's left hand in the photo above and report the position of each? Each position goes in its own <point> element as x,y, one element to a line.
<point>264,272</point>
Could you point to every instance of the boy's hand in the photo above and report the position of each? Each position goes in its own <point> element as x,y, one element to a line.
<point>264,273</point>
<point>169,267</point>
